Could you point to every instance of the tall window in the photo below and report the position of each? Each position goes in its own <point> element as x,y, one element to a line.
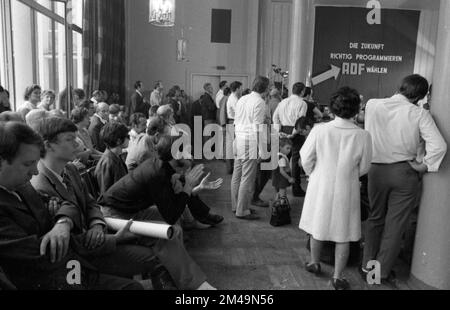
<point>39,45</point>
<point>2,48</point>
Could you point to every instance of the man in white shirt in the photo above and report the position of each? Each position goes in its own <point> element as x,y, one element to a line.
<point>236,91</point>
<point>397,126</point>
<point>291,109</point>
<point>286,115</point>
<point>250,115</point>
<point>219,95</point>
<point>157,94</point>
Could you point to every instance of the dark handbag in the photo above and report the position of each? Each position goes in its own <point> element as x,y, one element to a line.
<point>281,212</point>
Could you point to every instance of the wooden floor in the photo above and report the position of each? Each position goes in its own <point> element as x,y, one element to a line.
<point>252,255</point>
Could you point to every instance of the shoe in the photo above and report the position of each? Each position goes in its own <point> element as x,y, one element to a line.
<point>260,203</point>
<point>162,281</point>
<point>249,217</point>
<point>391,280</point>
<point>212,219</point>
<point>313,268</point>
<point>340,284</point>
<point>195,225</point>
<point>363,272</point>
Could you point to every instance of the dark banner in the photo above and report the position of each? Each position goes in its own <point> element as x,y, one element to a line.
<point>348,51</point>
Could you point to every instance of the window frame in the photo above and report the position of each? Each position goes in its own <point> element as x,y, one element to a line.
<point>8,44</point>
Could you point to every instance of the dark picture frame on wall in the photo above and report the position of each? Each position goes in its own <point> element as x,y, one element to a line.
<point>220,26</point>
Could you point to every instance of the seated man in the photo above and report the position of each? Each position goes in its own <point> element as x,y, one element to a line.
<point>143,148</point>
<point>164,182</point>
<point>35,252</point>
<point>111,167</point>
<point>60,144</point>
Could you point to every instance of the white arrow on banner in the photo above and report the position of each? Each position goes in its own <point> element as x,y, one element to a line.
<point>333,72</point>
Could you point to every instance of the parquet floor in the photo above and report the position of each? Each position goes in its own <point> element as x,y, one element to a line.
<point>252,255</point>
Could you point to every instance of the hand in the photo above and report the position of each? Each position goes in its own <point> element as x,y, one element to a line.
<point>77,163</point>
<point>58,239</point>
<point>176,184</point>
<point>53,206</point>
<point>291,180</point>
<point>194,175</point>
<point>94,237</point>
<point>124,235</point>
<point>421,168</point>
<point>206,185</point>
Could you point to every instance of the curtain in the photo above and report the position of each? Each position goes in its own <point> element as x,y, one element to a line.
<point>104,47</point>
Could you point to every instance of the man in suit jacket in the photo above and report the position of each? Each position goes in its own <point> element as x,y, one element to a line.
<point>138,104</point>
<point>34,251</point>
<point>111,167</point>
<point>159,182</point>
<point>99,120</point>
<point>209,109</point>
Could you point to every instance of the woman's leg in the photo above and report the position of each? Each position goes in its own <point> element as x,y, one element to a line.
<point>341,257</point>
<point>282,193</point>
<point>316,249</point>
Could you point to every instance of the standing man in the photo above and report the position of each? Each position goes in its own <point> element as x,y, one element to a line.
<point>156,97</point>
<point>286,115</point>
<point>397,126</point>
<point>219,95</point>
<point>99,120</point>
<point>236,92</point>
<point>250,115</point>
<point>209,108</point>
<point>138,103</point>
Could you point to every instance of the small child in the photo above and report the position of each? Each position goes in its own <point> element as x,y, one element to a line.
<point>281,177</point>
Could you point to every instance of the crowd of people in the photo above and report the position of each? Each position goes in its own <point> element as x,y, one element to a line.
<point>50,215</point>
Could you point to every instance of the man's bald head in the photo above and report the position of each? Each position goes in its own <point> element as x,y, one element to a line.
<point>103,110</point>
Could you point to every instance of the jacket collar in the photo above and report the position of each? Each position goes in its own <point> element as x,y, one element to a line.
<point>53,180</point>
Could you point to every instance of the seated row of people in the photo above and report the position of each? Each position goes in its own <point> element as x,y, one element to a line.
<point>40,243</point>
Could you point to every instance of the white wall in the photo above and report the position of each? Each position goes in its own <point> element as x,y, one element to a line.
<point>151,51</point>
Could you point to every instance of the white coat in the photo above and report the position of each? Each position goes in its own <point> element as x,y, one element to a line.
<point>335,155</point>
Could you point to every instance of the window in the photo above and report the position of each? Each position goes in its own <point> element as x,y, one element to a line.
<point>2,49</point>
<point>39,45</point>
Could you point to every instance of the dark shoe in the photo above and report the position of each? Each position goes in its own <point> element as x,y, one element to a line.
<point>250,217</point>
<point>313,268</point>
<point>363,272</point>
<point>162,281</point>
<point>340,284</point>
<point>260,203</point>
<point>391,280</point>
<point>212,219</point>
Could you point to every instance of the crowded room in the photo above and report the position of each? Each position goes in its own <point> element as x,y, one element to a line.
<point>232,145</point>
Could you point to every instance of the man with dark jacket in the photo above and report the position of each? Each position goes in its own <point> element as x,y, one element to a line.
<point>209,109</point>
<point>138,104</point>
<point>99,120</point>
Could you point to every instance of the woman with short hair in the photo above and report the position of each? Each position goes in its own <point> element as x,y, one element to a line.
<point>335,155</point>
<point>32,98</point>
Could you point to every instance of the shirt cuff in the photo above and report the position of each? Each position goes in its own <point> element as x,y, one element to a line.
<point>99,222</point>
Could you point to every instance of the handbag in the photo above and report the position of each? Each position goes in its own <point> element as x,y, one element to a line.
<point>281,212</point>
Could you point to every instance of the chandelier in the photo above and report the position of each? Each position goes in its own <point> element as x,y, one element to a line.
<point>162,13</point>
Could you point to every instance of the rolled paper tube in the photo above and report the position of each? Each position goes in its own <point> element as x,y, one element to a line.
<point>145,229</point>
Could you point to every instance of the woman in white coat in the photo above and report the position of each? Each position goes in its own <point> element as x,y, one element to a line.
<point>335,155</point>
